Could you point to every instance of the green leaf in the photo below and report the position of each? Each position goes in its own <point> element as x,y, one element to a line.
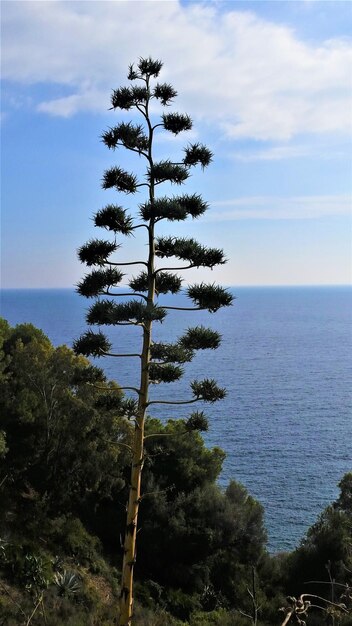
<point>165,282</point>
<point>120,179</point>
<point>168,171</point>
<point>128,97</point>
<point>128,134</point>
<point>171,352</point>
<point>200,338</point>
<point>165,93</point>
<point>149,67</point>
<point>114,218</point>
<point>176,122</point>
<point>122,98</point>
<point>96,251</point>
<point>189,250</point>
<point>197,154</point>
<point>177,208</point>
<point>197,421</point>
<point>98,282</point>
<point>110,313</point>
<point>91,344</point>
<point>132,74</point>
<point>207,390</point>
<point>168,373</point>
<point>89,374</point>
<point>110,400</point>
<point>210,297</point>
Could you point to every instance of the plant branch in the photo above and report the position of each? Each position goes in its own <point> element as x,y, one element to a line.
<point>140,226</point>
<point>166,435</point>
<point>323,582</point>
<point>130,262</point>
<point>117,355</point>
<point>168,269</point>
<point>140,152</point>
<point>184,308</point>
<point>101,387</point>
<point>4,480</point>
<point>118,443</point>
<point>125,295</point>
<point>34,610</point>
<point>174,402</point>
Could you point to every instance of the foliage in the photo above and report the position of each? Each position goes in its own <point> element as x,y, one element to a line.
<point>60,529</point>
<point>61,449</point>
<point>326,551</point>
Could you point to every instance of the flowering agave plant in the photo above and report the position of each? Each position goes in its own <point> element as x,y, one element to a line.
<point>159,362</point>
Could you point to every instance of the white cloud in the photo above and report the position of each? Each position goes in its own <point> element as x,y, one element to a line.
<point>276,153</point>
<point>89,100</point>
<point>321,151</point>
<point>280,208</point>
<point>251,77</point>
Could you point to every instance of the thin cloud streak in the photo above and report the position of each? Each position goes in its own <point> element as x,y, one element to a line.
<point>280,208</point>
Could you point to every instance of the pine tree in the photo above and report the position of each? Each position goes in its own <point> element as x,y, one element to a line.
<point>159,362</point>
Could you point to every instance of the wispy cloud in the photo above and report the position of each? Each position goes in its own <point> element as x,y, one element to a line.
<point>281,208</point>
<point>275,153</point>
<point>321,151</point>
<point>249,76</point>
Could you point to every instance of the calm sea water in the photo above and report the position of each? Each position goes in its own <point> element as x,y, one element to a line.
<point>286,423</point>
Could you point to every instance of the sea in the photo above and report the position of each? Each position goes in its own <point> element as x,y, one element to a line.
<point>285,360</point>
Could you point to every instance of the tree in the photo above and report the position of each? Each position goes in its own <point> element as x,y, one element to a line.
<point>59,447</point>
<point>159,362</point>
<point>322,564</point>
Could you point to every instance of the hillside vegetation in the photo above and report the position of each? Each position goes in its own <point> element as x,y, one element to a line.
<point>202,559</point>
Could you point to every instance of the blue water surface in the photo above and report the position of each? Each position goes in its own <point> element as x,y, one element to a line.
<point>285,359</point>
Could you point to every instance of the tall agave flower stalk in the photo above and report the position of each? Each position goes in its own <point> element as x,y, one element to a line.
<point>159,362</point>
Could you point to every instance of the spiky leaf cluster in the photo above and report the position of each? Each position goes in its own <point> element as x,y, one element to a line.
<point>189,250</point>
<point>165,93</point>
<point>98,282</point>
<point>170,353</point>
<point>130,135</point>
<point>197,421</point>
<point>111,399</point>
<point>197,154</point>
<point>177,208</point>
<point>149,67</point>
<point>96,252</point>
<point>163,208</point>
<point>176,122</point>
<point>91,344</point>
<point>120,179</point>
<point>90,375</point>
<point>128,97</point>
<point>168,171</point>
<point>207,390</point>
<point>68,583</point>
<point>165,282</point>
<point>160,373</point>
<point>200,338</point>
<point>134,311</point>
<point>129,408</point>
<point>209,297</point>
<point>114,218</point>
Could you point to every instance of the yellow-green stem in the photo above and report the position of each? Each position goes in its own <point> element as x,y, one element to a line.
<point>126,599</point>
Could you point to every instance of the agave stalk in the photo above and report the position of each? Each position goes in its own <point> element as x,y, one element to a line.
<point>158,362</point>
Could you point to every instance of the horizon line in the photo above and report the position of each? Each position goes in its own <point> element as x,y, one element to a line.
<point>233,286</point>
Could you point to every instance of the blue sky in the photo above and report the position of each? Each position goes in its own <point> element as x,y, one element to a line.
<point>269,88</point>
